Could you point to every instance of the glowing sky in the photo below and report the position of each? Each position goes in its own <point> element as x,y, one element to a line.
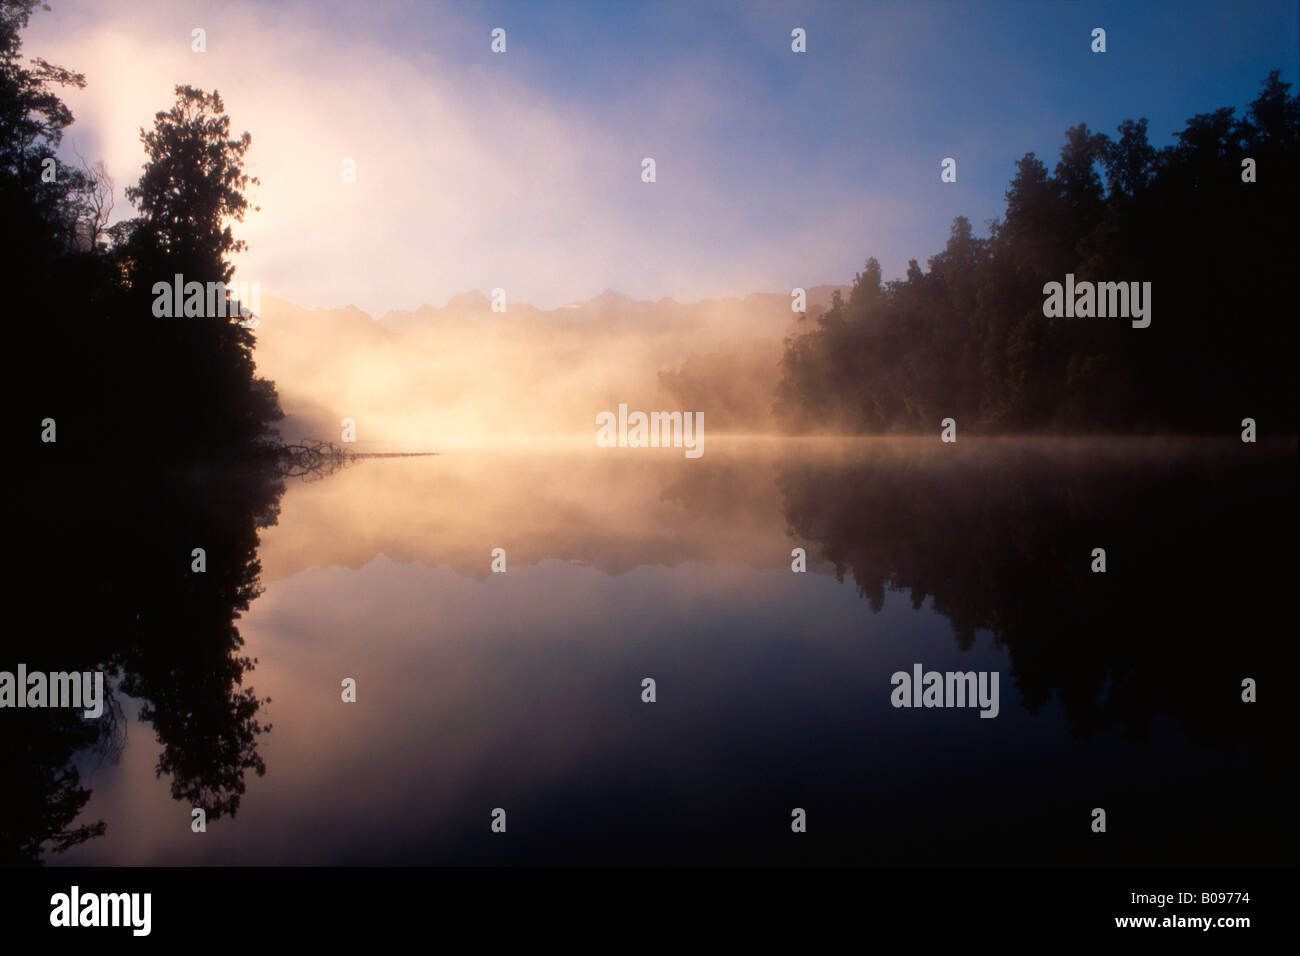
<point>522,170</point>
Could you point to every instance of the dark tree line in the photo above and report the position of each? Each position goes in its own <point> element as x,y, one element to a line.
<point>163,443</point>
<point>95,358</point>
<point>968,339</point>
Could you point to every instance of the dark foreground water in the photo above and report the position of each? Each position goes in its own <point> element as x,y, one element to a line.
<point>523,691</point>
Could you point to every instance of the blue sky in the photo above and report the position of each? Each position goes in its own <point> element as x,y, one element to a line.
<point>522,170</point>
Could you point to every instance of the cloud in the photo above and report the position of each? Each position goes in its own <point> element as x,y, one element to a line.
<point>469,173</point>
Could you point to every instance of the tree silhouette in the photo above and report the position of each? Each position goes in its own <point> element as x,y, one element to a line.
<point>163,444</point>
<point>192,187</point>
<point>968,339</point>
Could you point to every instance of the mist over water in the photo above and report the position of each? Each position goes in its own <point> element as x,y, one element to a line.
<point>464,374</point>
<point>918,495</point>
<point>522,690</point>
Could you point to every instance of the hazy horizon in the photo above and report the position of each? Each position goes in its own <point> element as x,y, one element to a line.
<point>856,489</point>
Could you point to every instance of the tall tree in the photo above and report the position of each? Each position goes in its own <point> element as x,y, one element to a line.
<point>968,338</point>
<point>191,190</point>
<point>193,185</point>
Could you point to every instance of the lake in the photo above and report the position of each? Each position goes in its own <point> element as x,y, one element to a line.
<point>523,691</point>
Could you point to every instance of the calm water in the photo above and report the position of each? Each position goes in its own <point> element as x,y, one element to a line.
<point>522,690</point>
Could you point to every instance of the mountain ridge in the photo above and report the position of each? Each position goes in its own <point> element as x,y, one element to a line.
<point>475,305</point>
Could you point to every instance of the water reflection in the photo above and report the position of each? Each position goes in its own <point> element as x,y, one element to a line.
<point>1199,544</point>
<point>107,583</point>
<point>479,690</point>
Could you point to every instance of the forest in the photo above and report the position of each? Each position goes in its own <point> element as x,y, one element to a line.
<point>141,439</point>
<point>1208,221</point>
